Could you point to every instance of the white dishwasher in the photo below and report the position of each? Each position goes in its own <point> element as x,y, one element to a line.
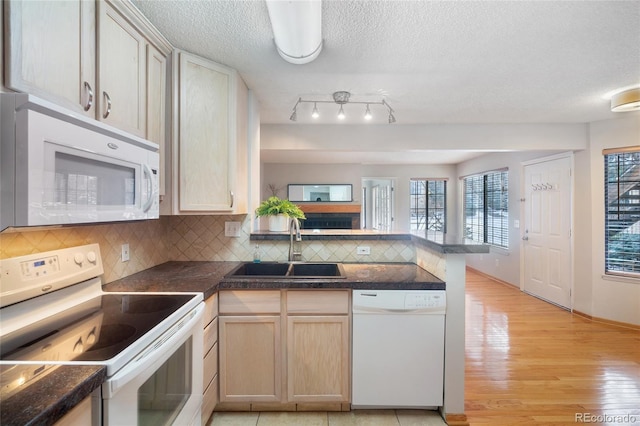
<point>398,348</point>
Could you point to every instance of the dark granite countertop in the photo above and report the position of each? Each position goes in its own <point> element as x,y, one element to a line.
<point>47,400</point>
<point>438,241</point>
<point>208,277</point>
<point>202,277</point>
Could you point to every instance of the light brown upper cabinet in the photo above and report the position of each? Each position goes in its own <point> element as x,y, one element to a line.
<point>90,57</point>
<point>210,146</point>
<point>51,51</point>
<point>121,72</point>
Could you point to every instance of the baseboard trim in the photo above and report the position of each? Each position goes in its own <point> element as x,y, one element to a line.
<point>607,321</point>
<point>492,278</point>
<point>575,312</point>
<point>457,420</point>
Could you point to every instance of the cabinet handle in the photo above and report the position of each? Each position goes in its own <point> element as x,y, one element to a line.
<point>231,193</point>
<point>87,87</point>
<point>108,111</point>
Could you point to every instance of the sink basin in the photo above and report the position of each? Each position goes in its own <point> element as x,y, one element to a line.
<point>260,269</point>
<point>287,270</point>
<point>333,270</point>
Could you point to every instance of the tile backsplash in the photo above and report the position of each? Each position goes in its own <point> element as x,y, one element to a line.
<point>154,242</point>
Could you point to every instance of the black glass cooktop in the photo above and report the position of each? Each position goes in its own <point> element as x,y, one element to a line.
<point>96,330</point>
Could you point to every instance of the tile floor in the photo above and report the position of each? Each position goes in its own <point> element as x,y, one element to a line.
<point>349,418</point>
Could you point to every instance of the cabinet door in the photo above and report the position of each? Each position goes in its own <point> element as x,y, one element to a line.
<point>155,105</point>
<point>121,72</point>
<point>205,143</point>
<point>51,51</point>
<point>250,359</point>
<point>318,358</point>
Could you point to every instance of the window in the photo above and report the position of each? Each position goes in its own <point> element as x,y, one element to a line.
<point>622,211</point>
<point>428,205</point>
<point>486,208</point>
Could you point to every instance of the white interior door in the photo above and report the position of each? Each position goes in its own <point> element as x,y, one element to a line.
<point>547,231</point>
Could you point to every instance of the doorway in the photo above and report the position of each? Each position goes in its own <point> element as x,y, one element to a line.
<point>547,256</point>
<point>377,204</point>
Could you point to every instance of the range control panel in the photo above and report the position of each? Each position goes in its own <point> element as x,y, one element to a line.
<point>424,299</point>
<point>28,276</point>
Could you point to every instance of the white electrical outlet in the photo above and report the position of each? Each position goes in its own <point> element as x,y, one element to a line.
<point>232,229</point>
<point>363,250</point>
<point>125,252</point>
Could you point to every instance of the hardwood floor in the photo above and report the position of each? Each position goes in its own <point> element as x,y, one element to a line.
<point>529,362</point>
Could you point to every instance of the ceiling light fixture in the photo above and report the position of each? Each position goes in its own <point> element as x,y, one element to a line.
<point>342,98</point>
<point>628,100</point>
<point>297,29</point>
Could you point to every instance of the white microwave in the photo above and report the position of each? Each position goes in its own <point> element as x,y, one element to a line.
<point>59,167</point>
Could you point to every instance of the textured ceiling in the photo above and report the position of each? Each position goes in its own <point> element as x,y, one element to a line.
<point>433,61</point>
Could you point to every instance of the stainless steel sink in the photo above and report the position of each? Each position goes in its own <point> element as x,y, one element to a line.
<point>295,270</point>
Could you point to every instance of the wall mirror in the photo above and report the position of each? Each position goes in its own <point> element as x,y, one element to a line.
<point>319,192</point>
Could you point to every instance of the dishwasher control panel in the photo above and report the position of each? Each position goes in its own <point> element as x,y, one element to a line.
<point>423,300</point>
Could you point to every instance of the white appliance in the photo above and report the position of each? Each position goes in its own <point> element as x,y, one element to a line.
<point>60,167</point>
<point>398,348</point>
<point>54,313</point>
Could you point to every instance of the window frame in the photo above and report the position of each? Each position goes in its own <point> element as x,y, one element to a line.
<point>615,211</point>
<point>486,227</point>
<point>429,200</point>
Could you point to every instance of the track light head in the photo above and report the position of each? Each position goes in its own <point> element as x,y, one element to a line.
<point>367,114</point>
<point>341,113</point>
<point>315,113</point>
<point>294,115</point>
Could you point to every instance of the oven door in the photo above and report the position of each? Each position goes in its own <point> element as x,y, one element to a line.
<point>163,384</point>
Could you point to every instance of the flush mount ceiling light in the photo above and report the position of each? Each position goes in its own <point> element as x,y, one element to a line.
<point>342,98</point>
<point>297,29</point>
<point>628,100</point>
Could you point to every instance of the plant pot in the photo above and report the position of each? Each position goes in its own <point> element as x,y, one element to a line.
<point>279,223</point>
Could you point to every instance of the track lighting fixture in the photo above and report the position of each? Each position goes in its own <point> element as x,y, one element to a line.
<point>342,98</point>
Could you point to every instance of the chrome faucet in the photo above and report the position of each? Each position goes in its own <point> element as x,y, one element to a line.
<point>294,227</point>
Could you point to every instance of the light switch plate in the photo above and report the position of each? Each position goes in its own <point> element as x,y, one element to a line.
<point>125,252</point>
<point>232,229</point>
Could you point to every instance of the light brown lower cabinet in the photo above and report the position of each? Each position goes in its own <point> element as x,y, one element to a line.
<point>284,349</point>
<point>318,359</point>
<point>250,359</point>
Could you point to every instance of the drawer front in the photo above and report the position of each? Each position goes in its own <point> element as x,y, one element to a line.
<point>210,309</point>
<point>209,400</point>
<point>245,302</point>
<point>210,335</point>
<point>210,365</point>
<point>318,302</point>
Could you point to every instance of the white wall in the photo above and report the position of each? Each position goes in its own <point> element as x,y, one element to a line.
<point>616,300</point>
<point>282,174</point>
<point>500,263</point>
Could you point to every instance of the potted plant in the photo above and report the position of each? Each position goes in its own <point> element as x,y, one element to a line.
<point>279,212</point>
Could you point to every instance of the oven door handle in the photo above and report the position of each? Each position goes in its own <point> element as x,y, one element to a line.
<point>161,348</point>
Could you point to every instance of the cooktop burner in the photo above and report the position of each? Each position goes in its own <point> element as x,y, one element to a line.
<point>96,330</point>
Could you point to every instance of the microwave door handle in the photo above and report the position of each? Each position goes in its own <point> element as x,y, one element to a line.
<point>147,172</point>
